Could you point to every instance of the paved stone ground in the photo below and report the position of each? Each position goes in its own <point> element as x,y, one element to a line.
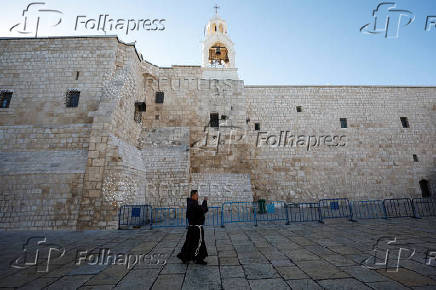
<point>271,256</point>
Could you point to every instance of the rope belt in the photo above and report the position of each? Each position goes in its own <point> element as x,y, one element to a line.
<point>200,240</point>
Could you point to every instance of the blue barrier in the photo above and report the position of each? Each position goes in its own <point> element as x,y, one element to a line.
<point>335,208</point>
<point>131,216</point>
<point>424,207</point>
<point>270,208</point>
<point>303,212</point>
<point>275,211</point>
<point>368,209</point>
<point>134,216</point>
<point>213,216</point>
<point>399,207</point>
<point>167,217</point>
<point>238,211</point>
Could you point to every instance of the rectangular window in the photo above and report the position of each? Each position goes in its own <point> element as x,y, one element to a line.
<point>404,122</point>
<point>415,158</point>
<point>214,121</point>
<point>159,98</point>
<point>140,107</point>
<point>5,99</point>
<point>257,126</point>
<point>343,122</point>
<point>72,99</point>
<point>77,75</point>
<point>299,110</point>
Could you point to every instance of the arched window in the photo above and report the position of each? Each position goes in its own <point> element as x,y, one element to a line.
<point>425,188</point>
<point>218,55</point>
<point>221,28</point>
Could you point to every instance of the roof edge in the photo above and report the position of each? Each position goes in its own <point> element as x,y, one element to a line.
<point>138,54</point>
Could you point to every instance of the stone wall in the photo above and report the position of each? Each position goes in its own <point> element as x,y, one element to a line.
<point>40,71</point>
<point>54,158</point>
<point>225,187</point>
<point>72,168</point>
<point>112,179</point>
<point>377,159</point>
<point>44,144</point>
<point>165,154</point>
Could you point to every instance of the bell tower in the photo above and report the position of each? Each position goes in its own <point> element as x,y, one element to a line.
<point>218,49</point>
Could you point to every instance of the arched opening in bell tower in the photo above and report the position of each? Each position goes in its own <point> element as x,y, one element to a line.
<point>218,55</point>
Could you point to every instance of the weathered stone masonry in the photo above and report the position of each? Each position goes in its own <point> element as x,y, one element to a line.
<point>72,168</point>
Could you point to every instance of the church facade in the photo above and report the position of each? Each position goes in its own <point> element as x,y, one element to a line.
<point>87,125</point>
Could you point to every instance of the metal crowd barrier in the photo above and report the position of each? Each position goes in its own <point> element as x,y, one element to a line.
<point>133,216</point>
<point>130,216</point>
<point>213,216</point>
<point>275,211</point>
<point>399,207</point>
<point>368,209</point>
<point>168,217</point>
<point>424,207</point>
<point>335,208</point>
<point>238,211</point>
<point>303,212</point>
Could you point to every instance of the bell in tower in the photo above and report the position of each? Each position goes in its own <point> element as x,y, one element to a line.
<point>218,55</point>
<point>218,51</point>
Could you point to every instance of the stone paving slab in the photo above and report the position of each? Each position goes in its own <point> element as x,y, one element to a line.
<point>363,274</point>
<point>347,283</point>
<point>235,284</point>
<point>138,279</point>
<point>232,272</point>
<point>277,284</point>
<point>69,282</point>
<point>172,281</point>
<point>291,273</point>
<point>110,276</point>
<point>334,255</point>
<point>408,277</point>
<point>304,284</point>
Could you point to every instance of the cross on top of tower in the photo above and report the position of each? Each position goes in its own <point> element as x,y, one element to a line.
<point>216,7</point>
